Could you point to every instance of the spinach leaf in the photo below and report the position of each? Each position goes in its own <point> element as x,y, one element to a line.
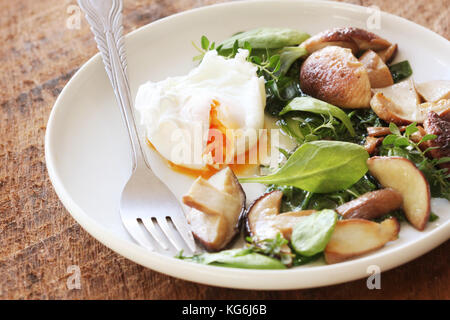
<point>280,92</point>
<point>236,258</point>
<point>311,235</point>
<point>311,104</point>
<point>288,55</point>
<point>266,38</point>
<point>320,167</point>
<point>295,199</point>
<point>400,71</point>
<point>300,260</point>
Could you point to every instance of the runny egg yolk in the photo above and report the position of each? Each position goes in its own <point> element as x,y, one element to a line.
<point>216,145</point>
<point>217,136</point>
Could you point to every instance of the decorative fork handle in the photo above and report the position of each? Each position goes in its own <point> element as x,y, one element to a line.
<point>105,19</point>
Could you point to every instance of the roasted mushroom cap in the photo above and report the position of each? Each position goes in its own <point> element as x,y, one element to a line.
<point>334,75</point>
<point>398,103</point>
<point>264,221</point>
<point>348,37</point>
<point>217,206</point>
<point>379,74</point>
<point>371,205</point>
<point>403,176</point>
<point>355,237</point>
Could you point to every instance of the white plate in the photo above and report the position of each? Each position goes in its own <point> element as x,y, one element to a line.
<point>88,156</point>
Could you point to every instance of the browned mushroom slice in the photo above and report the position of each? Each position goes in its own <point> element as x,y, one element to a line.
<point>439,126</point>
<point>403,176</point>
<point>264,221</point>
<point>217,206</point>
<point>441,107</point>
<point>381,131</point>
<point>433,91</point>
<point>398,103</point>
<point>334,75</point>
<point>387,55</point>
<point>379,74</point>
<point>348,37</point>
<point>371,205</point>
<point>372,143</point>
<point>355,237</point>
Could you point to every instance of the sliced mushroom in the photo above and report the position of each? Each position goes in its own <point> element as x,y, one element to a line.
<point>381,131</point>
<point>398,103</point>
<point>347,37</point>
<point>217,206</point>
<point>379,74</point>
<point>439,126</point>
<point>334,75</point>
<point>441,107</point>
<point>355,237</point>
<point>403,176</point>
<point>264,221</point>
<point>433,91</point>
<point>371,205</point>
<point>387,55</point>
<point>372,143</point>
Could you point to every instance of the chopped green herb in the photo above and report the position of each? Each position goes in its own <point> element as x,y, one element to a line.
<point>400,71</point>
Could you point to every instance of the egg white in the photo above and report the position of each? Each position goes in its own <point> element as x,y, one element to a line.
<point>175,112</point>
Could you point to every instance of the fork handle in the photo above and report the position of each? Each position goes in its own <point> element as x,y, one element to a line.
<point>105,19</point>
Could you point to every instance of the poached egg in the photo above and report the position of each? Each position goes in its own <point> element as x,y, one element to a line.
<point>207,117</point>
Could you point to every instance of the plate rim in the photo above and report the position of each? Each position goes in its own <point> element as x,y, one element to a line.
<point>221,276</point>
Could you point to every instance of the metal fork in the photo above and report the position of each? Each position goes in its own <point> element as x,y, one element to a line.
<point>146,203</point>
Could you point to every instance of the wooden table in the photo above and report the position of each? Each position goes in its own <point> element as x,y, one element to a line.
<point>38,238</point>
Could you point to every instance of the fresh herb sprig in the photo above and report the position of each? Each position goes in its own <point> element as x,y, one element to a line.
<point>268,64</point>
<point>402,145</point>
<point>275,248</point>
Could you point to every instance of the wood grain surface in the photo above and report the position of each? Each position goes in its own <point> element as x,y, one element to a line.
<point>38,238</point>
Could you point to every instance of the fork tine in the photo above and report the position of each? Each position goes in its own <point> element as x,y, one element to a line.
<point>135,231</point>
<point>150,226</point>
<point>162,222</point>
<point>185,232</point>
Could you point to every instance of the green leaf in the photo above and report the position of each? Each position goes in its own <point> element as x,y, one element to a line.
<point>311,137</point>
<point>300,260</point>
<point>256,59</point>
<point>311,235</point>
<point>205,43</point>
<point>394,129</point>
<point>267,38</point>
<point>288,55</point>
<point>433,217</point>
<point>443,160</point>
<point>292,128</point>
<point>428,137</point>
<point>400,71</point>
<point>389,139</point>
<point>273,61</point>
<point>410,129</point>
<point>320,167</point>
<point>237,258</point>
<point>235,48</point>
<point>401,142</point>
<point>313,105</point>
